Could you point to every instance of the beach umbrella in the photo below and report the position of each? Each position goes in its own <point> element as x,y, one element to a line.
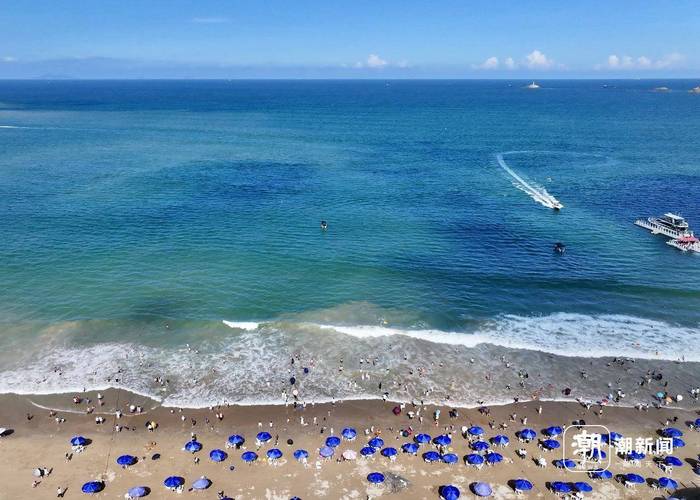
<point>474,459</point>
<point>389,452</point>
<point>201,484</point>
<point>442,440</point>
<point>218,455</point>
<point>375,477</point>
<point>78,441</point>
<point>326,451</point>
<point>376,442</point>
<point>301,455</point>
<point>481,489</point>
<point>697,422</point>
<point>332,441</point>
<point>671,432</point>
<point>583,487</point>
<point>173,482</point>
<point>349,455</point>
<point>673,461</point>
<point>565,464</point>
<point>475,430</point>
<point>448,492</point>
<point>527,434</point>
<point>601,474</point>
<point>274,454</point>
<point>522,485</point>
<point>668,483</point>
<point>431,456</point>
<point>263,437</point>
<point>126,460</point>
<point>367,451</point>
<point>137,492</point>
<point>596,454</point>
<point>559,487</point>
<point>192,446</point>
<point>422,438</point>
<point>249,456</point>
<point>553,431</point>
<point>93,487</point>
<point>479,446</point>
<point>613,437</point>
<point>499,440</point>
<point>236,440</point>
<point>678,443</point>
<point>635,455</point>
<point>493,458</point>
<point>634,478</point>
<point>349,433</point>
<point>450,458</point>
<point>411,448</point>
<point>551,444</point>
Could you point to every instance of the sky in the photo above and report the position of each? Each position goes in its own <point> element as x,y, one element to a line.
<point>349,39</point>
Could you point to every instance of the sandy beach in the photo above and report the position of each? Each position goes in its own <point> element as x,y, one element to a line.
<point>40,438</point>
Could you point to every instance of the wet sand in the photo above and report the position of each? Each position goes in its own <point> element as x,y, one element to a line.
<point>43,442</point>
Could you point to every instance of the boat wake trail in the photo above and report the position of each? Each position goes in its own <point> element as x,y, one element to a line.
<point>537,193</point>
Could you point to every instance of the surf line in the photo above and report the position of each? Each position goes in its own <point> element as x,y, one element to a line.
<point>537,193</point>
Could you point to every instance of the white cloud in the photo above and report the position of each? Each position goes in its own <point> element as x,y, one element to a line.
<point>490,63</point>
<point>210,20</point>
<point>510,63</point>
<point>642,62</point>
<point>375,62</point>
<point>538,60</point>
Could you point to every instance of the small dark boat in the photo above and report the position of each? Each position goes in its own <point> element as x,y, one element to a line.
<point>559,247</point>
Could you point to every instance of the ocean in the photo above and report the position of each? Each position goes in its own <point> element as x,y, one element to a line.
<point>172,228</point>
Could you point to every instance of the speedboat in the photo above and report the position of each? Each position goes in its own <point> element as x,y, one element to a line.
<point>533,85</point>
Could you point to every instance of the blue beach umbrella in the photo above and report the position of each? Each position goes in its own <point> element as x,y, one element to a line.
<point>375,477</point>
<point>236,440</point>
<point>475,430</point>
<point>678,443</point>
<point>301,454</point>
<point>635,455</point>
<point>326,452</point>
<point>389,452</point>
<point>431,456</point>
<point>499,440</point>
<point>474,459</point>
<point>92,487</point>
<point>481,489</point>
<point>138,492</point>
<point>493,458</point>
<point>565,464</point>
<point>671,432</point>
<point>201,484</point>
<point>78,441</point>
<point>634,478</point>
<point>601,474</point>
<point>192,446</point>
<point>522,485</point>
<point>449,458</point>
<point>479,446</point>
<point>583,487</point>
<point>673,461</point>
<point>597,454</point>
<point>553,431</point>
<point>349,433</point>
<point>448,492</point>
<point>174,482</point>
<point>249,456</point>
<point>126,460</point>
<point>411,448</point>
<point>442,440</point>
<point>422,438</point>
<point>263,437</point>
<point>551,444</point>
<point>218,455</point>
<point>376,442</point>
<point>367,451</point>
<point>527,434</point>
<point>667,483</point>
<point>274,454</point>
<point>613,437</point>
<point>697,422</point>
<point>332,441</point>
<point>559,487</point>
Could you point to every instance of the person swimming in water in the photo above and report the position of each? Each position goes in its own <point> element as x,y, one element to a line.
<point>324,225</point>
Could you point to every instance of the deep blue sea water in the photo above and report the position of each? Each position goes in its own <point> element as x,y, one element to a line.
<point>138,215</point>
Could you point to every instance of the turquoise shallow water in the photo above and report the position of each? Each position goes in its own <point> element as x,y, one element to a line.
<point>139,215</point>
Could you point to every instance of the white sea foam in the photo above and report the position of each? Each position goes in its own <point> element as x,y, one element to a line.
<point>242,325</point>
<point>536,192</point>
